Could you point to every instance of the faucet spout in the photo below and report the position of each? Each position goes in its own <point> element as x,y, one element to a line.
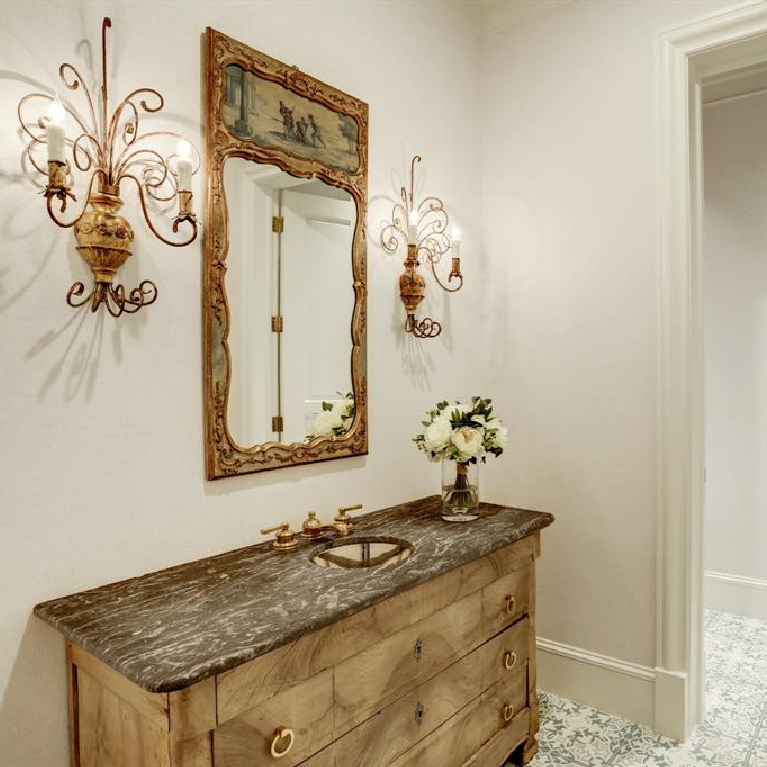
<point>312,528</point>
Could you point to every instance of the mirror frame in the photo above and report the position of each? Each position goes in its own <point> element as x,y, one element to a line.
<point>224,458</point>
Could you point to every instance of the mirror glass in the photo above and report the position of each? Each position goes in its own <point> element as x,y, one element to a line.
<point>290,289</point>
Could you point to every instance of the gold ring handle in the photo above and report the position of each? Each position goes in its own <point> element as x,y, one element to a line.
<point>279,734</point>
<point>508,712</point>
<point>509,660</point>
<point>511,603</point>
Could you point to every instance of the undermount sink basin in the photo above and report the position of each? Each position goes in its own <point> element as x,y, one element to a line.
<point>372,551</point>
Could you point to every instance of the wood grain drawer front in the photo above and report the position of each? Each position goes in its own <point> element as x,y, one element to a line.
<point>379,675</point>
<point>461,739</point>
<point>246,686</point>
<point>251,739</point>
<point>506,655</point>
<point>391,732</point>
<point>496,751</point>
<point>506,600</point>
<point>507,698</point>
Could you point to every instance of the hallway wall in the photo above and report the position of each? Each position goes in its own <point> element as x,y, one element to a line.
<point>735,250</point>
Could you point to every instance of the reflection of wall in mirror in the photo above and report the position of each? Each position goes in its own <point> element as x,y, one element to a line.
<point>317,302</point>
<point>252,395</point>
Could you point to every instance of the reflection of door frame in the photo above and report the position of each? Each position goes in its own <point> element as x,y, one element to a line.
<point>719,43</point>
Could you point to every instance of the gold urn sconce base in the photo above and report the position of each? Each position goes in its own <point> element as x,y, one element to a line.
<point>423,228</point>
<point>109,150</point>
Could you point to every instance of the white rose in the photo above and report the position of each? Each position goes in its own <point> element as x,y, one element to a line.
<point>438,433</point>
<point>468,441</point>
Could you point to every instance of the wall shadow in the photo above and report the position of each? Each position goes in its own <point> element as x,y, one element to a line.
<point>33,709</point>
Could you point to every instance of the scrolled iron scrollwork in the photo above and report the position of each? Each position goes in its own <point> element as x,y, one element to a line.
<point>109,149</point>
<point>424,230</point>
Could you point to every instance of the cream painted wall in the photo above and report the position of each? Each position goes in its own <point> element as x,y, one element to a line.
<point>735,164</point>
<point>102,452</point>
<point>570,203</point>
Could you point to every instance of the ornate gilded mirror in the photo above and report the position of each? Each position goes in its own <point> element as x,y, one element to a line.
<point>285,265</point>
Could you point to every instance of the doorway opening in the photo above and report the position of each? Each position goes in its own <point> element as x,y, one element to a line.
<point>694,61</point>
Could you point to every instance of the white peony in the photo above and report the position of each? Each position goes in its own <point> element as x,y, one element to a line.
<point>325,422</point>
<point>468,441</point>
<point>438,433</point>
<point>501,437</point>
<point>342,407</point>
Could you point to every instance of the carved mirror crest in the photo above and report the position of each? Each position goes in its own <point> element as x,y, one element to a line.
<point>285,265</point>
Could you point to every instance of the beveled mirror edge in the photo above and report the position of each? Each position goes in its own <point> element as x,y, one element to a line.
<point>223,457</point>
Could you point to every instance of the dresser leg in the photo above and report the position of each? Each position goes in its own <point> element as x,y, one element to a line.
<point>524,752</point>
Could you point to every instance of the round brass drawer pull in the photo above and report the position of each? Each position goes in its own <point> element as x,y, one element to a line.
<point>510,660</point>
<point>279,734</point>
<point>510,603</point>
<point>508,712</point>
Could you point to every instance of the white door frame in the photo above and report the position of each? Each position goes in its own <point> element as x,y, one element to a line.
<point>686,56</point>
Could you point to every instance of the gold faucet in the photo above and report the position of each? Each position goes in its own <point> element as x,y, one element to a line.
<point>285,540</point>
<point>342,523</point>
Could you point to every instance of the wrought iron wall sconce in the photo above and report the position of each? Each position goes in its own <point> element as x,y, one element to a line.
<point>109,150</point>
<point>423,227</point>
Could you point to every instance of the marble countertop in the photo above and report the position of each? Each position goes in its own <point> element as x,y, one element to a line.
<point>169,629</point>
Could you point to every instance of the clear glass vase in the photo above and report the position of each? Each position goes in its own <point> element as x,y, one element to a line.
<point>460,491</point>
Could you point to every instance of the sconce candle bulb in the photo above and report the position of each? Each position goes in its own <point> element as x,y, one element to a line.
<point>455,237</point>
<point>425,228</point>
<point>412,227</point>
<point>54,132</point>
<point>108,150</point>
<point>184,166</point>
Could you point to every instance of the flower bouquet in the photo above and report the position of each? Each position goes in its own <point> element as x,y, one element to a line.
<point>335,418</point>
<point>461,436</point>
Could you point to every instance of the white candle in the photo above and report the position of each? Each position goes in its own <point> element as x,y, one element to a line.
<point>455,238</point>
<point>54,131</point>
<point>412,227</point>
<point>184,166</point>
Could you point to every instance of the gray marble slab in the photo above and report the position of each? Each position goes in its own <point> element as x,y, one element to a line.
<point>169,629</point>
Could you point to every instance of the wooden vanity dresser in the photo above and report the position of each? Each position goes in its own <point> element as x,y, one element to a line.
<point>440,674</point>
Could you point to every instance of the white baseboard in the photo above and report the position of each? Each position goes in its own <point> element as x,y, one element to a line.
<point>672,716</point>
<point>610,685</point>
<point>736,594</point>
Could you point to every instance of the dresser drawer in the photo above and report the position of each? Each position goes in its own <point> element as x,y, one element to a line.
<point>462,740</point>
<point>391,732</point>
<point>507,600</point>
<point>254,682</point>
<point>371,680</point>
<point>506,655</point>
<point>506,699</point>
<point>496,751</point>
<point>303,713</point>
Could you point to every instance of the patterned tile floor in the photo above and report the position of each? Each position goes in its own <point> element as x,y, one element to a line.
<point>734,733</point>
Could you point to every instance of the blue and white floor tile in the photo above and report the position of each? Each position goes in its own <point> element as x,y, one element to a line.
<point>734,733</point>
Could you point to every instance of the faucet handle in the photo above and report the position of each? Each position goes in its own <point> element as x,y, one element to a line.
<point>285,538</point>
<point>342,511</point>
<point>343,519</point>
<point>311,528</point>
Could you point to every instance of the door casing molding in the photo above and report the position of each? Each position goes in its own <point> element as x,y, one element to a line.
<point>686,56</point>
